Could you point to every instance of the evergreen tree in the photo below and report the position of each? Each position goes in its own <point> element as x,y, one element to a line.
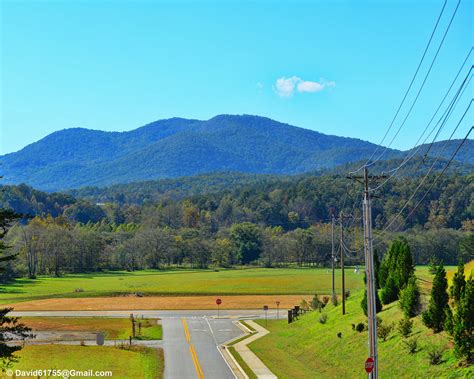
<point>376,269</point>
<point>459,282</point>
<point>432,265</point>
<point>435,315</point>
<point>410,298</point>
<point>463,330</point>
<point>10,328</point>
<point>389,292</point>
<point>378,303</point>
<point>404,268</point>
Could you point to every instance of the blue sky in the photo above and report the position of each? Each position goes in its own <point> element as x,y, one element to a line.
<point>338,67</point>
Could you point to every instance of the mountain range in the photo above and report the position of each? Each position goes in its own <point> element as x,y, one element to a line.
<point>176,147</point>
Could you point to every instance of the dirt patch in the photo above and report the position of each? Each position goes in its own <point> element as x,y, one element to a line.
<point>160,303</point>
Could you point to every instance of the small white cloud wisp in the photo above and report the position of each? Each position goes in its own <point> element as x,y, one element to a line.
<point>286,87</point>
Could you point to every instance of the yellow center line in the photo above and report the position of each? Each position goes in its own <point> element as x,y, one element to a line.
<point>192,350</point>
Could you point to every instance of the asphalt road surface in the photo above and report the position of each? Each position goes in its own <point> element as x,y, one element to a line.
<point>190,338</point>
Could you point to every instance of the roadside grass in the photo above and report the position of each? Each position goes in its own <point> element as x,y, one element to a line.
<point>242,363</point>
<point>139,362</point>
<point>249,327</point>
<point>113,328</point>
<point>309,349</point>
<point>249,281</point>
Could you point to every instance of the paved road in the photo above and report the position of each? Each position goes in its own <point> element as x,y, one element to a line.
<point>190,338</point>
<point>235,313</point>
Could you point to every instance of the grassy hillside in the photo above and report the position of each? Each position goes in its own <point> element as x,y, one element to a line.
<point>309,349</point>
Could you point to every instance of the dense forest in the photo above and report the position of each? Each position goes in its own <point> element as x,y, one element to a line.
<point>268,221</point>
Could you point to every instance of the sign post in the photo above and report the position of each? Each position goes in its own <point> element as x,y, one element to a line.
<point>265,308</point>
<point>218,302</point>
<point>278,310</point>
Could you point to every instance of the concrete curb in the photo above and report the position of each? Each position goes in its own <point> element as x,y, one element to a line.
<point>254,363</point>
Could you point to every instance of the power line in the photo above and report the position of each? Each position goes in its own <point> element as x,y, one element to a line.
<point>407,91</point>
<point>432,184</point>
<point>421,88</point>
<point>441,122</point>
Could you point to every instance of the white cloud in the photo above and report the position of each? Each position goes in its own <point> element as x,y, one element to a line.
<point>307,86</point>
<point>285,87</point>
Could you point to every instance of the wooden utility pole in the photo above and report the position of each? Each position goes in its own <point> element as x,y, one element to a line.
<point>341,243</point>
<point>369,269</point>
<point>333,257</point>
<point>341,220</point>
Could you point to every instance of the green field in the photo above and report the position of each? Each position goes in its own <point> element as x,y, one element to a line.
<point>258,281</point>
<point>113,328</point>
<point>309,349</point>
<point>137,363</point>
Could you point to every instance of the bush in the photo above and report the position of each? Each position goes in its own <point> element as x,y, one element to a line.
<point>411,345</point>
<point>334,301</point>
<point>353,326</point>
<point>325,300</point>
<point>405,326</point>
<point>384,330</point>
<point>347,293</point>
<point>360,327</point>
<point>315,303</point>
<point>339,335</point>
<point>323,318</point>
<point>304,305</point>
<point>435,355</point>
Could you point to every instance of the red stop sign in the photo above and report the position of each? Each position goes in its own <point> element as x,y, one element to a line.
<point>369,365</point>
<point>218,301</point>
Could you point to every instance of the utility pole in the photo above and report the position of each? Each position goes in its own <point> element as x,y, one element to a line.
<point>341,220</point>
<point>369,269</point>
<point>333,257</point>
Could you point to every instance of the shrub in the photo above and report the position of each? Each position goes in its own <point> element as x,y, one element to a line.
<point>411,345</point>
<point>353,326</point>
<point>325,300</point>
<point>405,326</point>
<point>360,327</point>
<point>384,330</point>
<point>435,355</point>
<point>304,305</point>
<point>334,301</point>
<point>323,318</point>
<point>339,335</point>
<point>347,293</point>
<point>315,303</point>
<point>410,298</point>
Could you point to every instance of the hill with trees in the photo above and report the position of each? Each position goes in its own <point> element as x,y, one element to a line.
<point>177,147</point>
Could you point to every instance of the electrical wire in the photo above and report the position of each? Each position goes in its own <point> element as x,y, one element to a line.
<point>432,184</point>
<point>419,91</point>
<point>407,91</point>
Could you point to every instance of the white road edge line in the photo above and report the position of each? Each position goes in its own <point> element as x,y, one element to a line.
<point>219,350</point>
